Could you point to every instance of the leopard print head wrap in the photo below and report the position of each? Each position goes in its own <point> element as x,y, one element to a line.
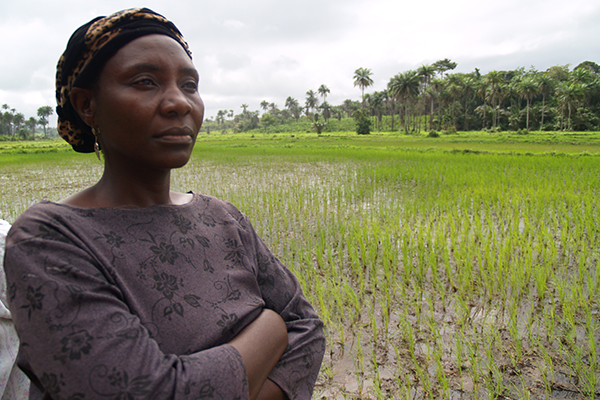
<point>89,48</point>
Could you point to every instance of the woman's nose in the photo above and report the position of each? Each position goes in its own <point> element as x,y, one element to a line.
<point>175,102</point>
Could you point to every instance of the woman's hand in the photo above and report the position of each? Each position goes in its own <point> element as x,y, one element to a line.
<point>261,345</point>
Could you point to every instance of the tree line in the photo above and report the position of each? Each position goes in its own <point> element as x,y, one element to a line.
<point>429,98</point>
<point>433,98</point>
<point>14,125</point>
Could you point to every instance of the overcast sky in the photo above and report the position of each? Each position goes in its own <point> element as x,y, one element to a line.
<point>253,50</point>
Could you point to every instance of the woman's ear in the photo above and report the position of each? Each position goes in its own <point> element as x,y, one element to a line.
<point>81,99</point>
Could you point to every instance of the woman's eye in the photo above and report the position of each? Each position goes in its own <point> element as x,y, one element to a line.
<point>144,82</point>
<point>192,86</point>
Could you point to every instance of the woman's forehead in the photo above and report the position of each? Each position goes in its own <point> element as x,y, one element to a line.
<point>151,50</point>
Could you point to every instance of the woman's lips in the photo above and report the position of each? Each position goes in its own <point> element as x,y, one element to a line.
<point>176,135</point>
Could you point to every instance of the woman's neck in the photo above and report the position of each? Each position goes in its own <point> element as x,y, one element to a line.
<point>128,188</point>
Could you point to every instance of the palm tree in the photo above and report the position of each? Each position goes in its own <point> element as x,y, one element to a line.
<point>290,103</point>
<point>18,120</point>
<point>43,113</point>
<point>264,105</point>
<point>323,91</point>
<point>581,76</point>
<point>587,79</point>
<point>435,90</point>
<point>311,101</point>
<point>326,110</point>
<point>469,87</point>
<point>297,111</point>
<point>244,108</point>
<point>494,80</point>
<point>376,103</point>
<point>528,88</point>
<point>569,94</point>
<point>546,87</point>
<point>362,79</point>
<point>391,105</point>
<point>221,117</point>
<point>31,124</point>
<point>454,91</point>
<point>427,72</point>
<point>404,87</point>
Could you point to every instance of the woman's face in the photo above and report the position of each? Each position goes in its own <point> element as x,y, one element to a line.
<point>146,105</point>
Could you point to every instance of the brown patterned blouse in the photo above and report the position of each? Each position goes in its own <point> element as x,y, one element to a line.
<point>140,303</point>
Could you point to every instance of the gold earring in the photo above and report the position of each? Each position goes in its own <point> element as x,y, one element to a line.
<point>96,132</point>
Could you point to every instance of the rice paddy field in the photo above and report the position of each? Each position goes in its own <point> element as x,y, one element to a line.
<point>460,267</point>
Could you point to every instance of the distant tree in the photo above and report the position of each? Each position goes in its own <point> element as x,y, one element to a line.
<point>311,101</point>
<point>268,120</point>
<point>589,65</point>
<point>404,87</point>
<point>443,66</point>
<point>337,110</point>
<point>347,106</point>
<point>362,79</point>
<point>559,73</point>
<point>264,105</point>
<point>325,110</point>
<point>290,103</point>
<point>528,88</point>
<point>376,104</point>
<point>453,91</point>
<point>244,108</point>
<point>427,73</point>
<point>363,123</point>
<point>43,113</point>
<point>296,111</point>
<point>546,87</point>
<point>7,118</point>
<point>31,123</point>
<point>568,94</point>
<point>18,121</point>
<point>469,88</point>
<point>494,81</point>
<point>323,91</point>
<point>221,117</point>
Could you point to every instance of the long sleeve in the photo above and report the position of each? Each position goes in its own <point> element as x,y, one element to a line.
<point>80,338</point>
<point>298,368</point>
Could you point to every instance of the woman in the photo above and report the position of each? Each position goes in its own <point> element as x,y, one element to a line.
<point>130,290</point>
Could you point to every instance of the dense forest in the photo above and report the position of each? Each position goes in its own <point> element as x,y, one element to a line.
<point>433,98</point>
<point>430,98</point>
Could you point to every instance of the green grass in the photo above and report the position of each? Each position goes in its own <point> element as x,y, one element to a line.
<point>465,265</point>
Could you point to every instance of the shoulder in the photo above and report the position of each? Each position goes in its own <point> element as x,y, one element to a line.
<point>212,210</point>
<point>216,205</point>
<point>46,220</point>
